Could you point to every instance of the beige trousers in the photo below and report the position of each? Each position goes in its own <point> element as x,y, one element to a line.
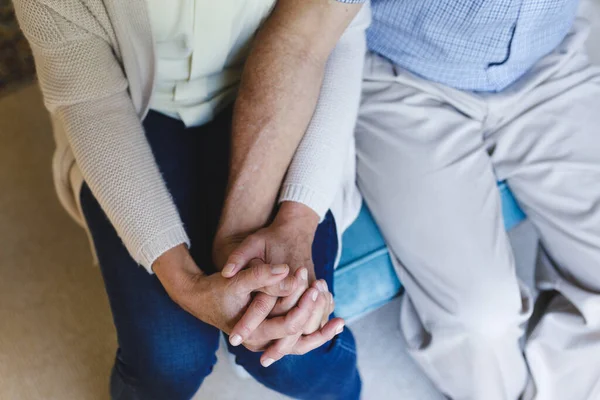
<point>428,160</point>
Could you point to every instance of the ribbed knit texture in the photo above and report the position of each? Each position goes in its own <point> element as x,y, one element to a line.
<point>86,92</point>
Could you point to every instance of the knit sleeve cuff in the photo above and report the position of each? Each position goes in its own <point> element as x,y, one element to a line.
<point>307,196</point>
<point>164,241</point>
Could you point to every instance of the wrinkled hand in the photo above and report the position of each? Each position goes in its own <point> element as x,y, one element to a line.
<point>258,332</point>
<point>298,336</point>
<point>287,240</point>
<point>219,301</point>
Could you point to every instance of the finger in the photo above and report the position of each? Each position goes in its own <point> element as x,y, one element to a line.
<point>278,350</point>
<point>320,285</point>
<point>291,323</point>
<point>285,304</point>
<point>320,337</point>
<point>251,248</point>
<point>321,310</point>
<point>260,275</point>
<point>285,288</point>
<point>330,310</point>
<point>257,312</point>
<point>330,304</point>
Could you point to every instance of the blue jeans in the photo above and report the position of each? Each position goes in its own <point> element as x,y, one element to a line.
<point>164,352</point>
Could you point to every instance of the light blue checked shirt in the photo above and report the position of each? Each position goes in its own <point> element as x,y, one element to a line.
<point>478,45</point>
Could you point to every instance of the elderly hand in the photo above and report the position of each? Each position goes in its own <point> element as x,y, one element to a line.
<point>287,240</point>
<point>221,302</point>
<point>214,299</point>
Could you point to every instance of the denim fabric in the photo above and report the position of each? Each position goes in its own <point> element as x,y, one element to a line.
<point>164,352</point>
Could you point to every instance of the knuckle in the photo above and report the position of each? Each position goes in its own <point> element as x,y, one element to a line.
<point>291,284</point>
<point>292,328</point>
<point>308,309</point>
<point>301,351</point>
<point>236,255</point>
<point>282,288</point>
<point>312,305</point>
<point>261,305</point>
<point>278,353</point>
<point>321,301</point>
<point>244,330</point>
<point>255,239</point>
<point>253,347</point>
<point>257,272</point>
<point>310,330</point>
<point>278,308</point>
<point>302,287</point>
<point>235,282</point>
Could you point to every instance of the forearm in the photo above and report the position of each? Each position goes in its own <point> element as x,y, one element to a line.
<point>117,164</point>
<point>269,122</point>
<point>318,166</point>
<point>279,90</point>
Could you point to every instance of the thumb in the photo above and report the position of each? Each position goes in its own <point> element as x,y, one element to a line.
<point>251,248</point>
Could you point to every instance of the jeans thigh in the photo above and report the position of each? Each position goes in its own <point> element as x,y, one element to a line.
<point>164,352</point>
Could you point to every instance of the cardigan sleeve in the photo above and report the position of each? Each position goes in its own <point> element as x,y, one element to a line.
<point>86,92</point>
<point>316,171</point>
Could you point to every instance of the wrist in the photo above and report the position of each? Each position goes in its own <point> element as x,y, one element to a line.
<point>299,214</point>
<point>176,269</point>
<point>236,226</point>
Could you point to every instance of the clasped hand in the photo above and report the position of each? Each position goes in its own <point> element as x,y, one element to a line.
<point>281,323</point>
<point>267,297</point>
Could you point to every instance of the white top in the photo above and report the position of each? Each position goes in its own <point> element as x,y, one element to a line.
<point>200,48</point>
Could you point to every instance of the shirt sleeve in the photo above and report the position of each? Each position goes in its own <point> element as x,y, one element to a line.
<point>315,174</point>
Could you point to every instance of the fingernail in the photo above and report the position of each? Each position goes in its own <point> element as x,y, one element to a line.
<point>331,300</point>
<point>235,340</point>
<point>339,329</point>
<point>228,269</point>
<point>278,269</point>
<point>267,362</point>
<point>320,286</point>
<point>304,274</point>
<point>325,285</point>
<point>315,295</point>
<point>283,285</point>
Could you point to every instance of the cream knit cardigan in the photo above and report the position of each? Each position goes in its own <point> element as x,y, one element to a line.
<point>95,65</point>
